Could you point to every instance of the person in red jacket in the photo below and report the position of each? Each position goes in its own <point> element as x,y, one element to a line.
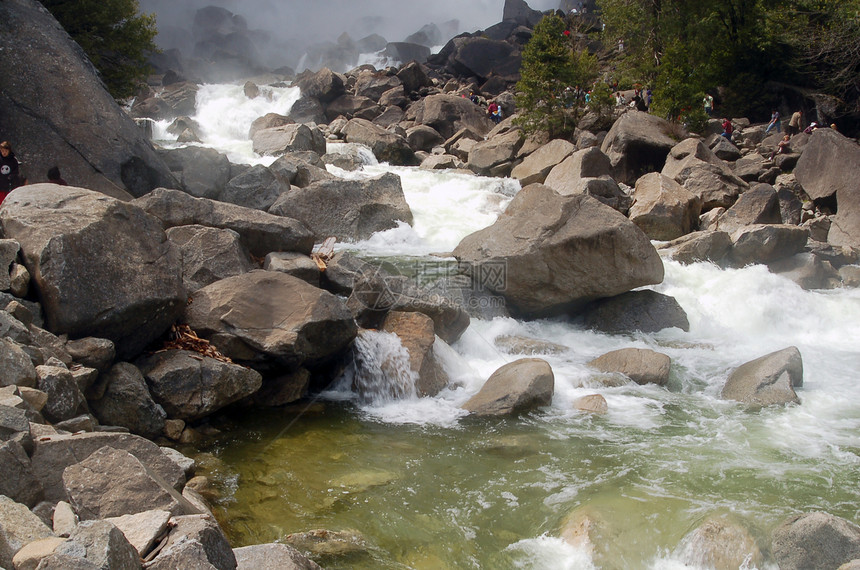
<point>727,129</point>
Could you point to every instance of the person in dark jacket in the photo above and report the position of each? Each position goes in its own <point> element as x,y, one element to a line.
<point>10,175</point>
<point>54,176</point>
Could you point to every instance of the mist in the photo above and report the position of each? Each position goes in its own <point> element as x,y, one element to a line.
<point>304,22</point>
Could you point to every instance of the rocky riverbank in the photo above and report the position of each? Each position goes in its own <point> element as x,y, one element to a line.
<point>168,285</point>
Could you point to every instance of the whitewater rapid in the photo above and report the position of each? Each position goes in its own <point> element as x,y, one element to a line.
<point>699,451</point>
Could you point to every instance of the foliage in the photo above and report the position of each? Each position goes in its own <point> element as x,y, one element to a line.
<point>114,36</point>
<point>552,62</point>
<point>686,47</point>
<point>602,101</point>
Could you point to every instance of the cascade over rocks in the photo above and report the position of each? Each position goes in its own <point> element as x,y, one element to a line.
<point>347,209</point>
<point>271,319</point>
<point>55,110</point>
<point>260,233</point>
<point>78,244</point>
<point>550,253</point>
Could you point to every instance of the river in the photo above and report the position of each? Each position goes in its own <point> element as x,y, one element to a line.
<point>419,484</point>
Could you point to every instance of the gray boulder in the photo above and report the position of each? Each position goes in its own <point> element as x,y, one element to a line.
<point>815,540</point>
<point>127,402</point>
<point>488,156</point>
<point>646,311</point>
<point>347,209</point>
<point>74,239</point>
<point>386,146</point>
<point>18,527</point>
<point>637,143</point>
<point>190,386</point>
<point>758,205</point>
<point>413,76</point>
<point>765,243</point>
<point>448,114</point>
<point>664,209</point>
<point>587,163</point>
<point>53,454</point>
<point>64,395</point>
<point>260,232</point>
<point>307,110</point>
<point>92,352</point>
<point>17,480</point>
<point>324,85</point>
<point>276,141</point>
<point>141,529</point>
<point>273,120</point>
<point>102,544</point>
<point>352,107</point>
<point>55,110</point>
<point>719,543</point>
<point>535,168</point>
<point>640,365</point>
<point>16,368</point>
<point>808,270</point>
<point>196,541</point>
<point>422,137</point>
<point>203,172</point>
<point>519,386</point>
<point>272,555</point>
<point>768,380</point>
<point>373,84</point>
<point>549,253</point>
<point>699,246</point>
<point>699,170</point>
<point>112,482</point>
<point>829,165</point>
<point>295,264</point>
<point>208,254</point>
<point>266,317</point>
<point>257,188</point>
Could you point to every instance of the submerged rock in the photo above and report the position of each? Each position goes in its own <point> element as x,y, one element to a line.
<point>815,540</point>
<point>720,544</point>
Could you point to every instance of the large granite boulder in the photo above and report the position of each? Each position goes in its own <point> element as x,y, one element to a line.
<point>55,110</point>
<point>535,168</point>
<point>127,402</point>
<point>257,187</point>
<point>386,146</point>
<point>260,232</point>
<point>102,267</point>
<point>712,246</point>
<point>113,482</point>
<point>489,156</point>
<point>372,84</point>
<point>519,386</point>
<point>637,143</point>
<point>203,172</point>
<point>353,107</point>
<point>719,542</point>
<point>276,141</point>
<point>484,58</point>
<point>272,555</point>
<point>190,386</point>
<point>758,205</point>
<point>64,395</point>
<point>764,243</point>
<point>448,114</point>
<point>550,253</point>
<point>208,254</point>
<point>347,209</point>
<point>268,318</point>
<point>51,455</point>
<point>767,380</point>
<point>413,76</point>
<point>829,165</point>
<point>519,11</point>
<point>95,542</point>
<point>585,163</point>
<point>699,170</point>
<point>195,541</point>
<point>324,85</point>
<point>641,365</point>
<point>816,540</point>
<point>17,480</point>
<point>646,311</point>
<point>664,209</point>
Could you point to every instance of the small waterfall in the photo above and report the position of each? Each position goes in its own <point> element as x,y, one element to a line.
<point>381,372</point>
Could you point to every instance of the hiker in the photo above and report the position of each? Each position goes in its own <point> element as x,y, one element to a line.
<point>728,129</point>
<point>708,103</point>
<point>491,108</point>
<point>794,123</point>
<point>497,115</point>
<point>54,176</point>
<point>10,175</point>
<point>774,122</point>
<point>812,126</point>
<point>782,147</point>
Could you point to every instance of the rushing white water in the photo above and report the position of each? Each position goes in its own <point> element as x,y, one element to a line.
<point>695,449</point>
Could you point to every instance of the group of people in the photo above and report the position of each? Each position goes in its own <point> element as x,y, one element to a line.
<point>10,172</point>
<point>494,111</point>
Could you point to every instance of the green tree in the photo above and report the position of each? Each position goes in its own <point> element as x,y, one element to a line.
<point>114,35</point>
<point>552,62</point>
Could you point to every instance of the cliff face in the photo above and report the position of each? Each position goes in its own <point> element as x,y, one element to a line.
<point>55,111</point>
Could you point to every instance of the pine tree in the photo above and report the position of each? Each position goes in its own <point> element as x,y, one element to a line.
<point>114,36</point>
<point>551,64</point>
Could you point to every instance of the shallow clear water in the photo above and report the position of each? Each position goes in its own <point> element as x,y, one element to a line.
<point>426,486</point>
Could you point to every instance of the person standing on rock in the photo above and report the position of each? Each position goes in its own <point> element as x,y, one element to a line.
<point>794,123</point>
<point>708,103</point>
<point>10,175</point>
<point>774,122</point>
